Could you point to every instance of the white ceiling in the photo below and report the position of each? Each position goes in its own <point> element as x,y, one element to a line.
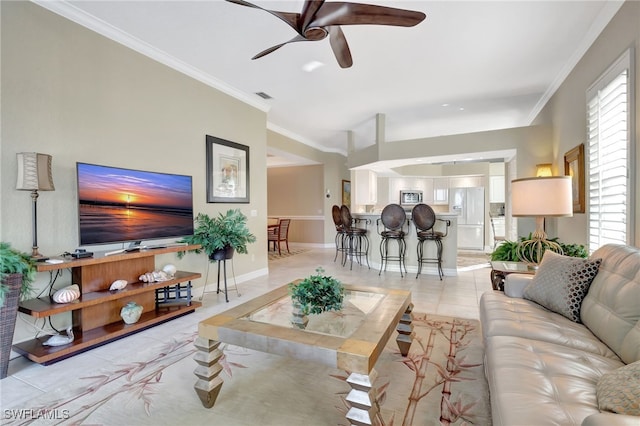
<point>470,66</point>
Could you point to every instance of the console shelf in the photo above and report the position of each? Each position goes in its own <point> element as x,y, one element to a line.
<point>96,314</point>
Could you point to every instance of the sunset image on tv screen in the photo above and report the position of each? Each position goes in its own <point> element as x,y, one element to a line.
<point>131,205</point>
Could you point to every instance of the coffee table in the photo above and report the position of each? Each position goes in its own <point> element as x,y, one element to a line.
<point>350,340</point>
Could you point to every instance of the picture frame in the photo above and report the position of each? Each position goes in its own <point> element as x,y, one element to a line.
<point>574,167</point>
<point>227,171</point>
<point>346,193</point>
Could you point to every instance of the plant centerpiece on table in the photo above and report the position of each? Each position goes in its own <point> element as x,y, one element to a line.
<point>507,250</point>
<point>221,235</point>
<point>317,293</point>
<point>17,273</point>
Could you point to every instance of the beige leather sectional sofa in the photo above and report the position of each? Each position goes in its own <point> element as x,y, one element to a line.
<point>543,368</point>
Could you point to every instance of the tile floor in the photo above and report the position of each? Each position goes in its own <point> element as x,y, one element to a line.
<point>453,296</point>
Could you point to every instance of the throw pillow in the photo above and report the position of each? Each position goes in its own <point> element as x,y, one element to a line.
<point>561,283</point>
<point>619,390</point>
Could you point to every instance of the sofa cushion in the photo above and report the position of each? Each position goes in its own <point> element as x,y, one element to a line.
<point>561,283</point>
<point>619,391</point>
<point>536,382</point>
<point>611,308</point>
<point>505,316</point>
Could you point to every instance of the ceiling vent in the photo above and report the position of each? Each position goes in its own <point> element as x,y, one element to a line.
<point>264,95</point>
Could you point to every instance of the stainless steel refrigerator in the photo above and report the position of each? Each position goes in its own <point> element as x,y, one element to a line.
<point>469,204</point>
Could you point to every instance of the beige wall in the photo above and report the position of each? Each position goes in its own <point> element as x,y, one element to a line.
<point>532,145</point>
<point>71,93</point>
<point>334,170</point>
<point>297,193</point>
<point>566,110</point>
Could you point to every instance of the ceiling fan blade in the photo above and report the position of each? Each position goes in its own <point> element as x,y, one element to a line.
<point>340,47</point>
<point>289,18</point>
<point>309,11</point>
<point>342,13</point>
<point>278,46</point>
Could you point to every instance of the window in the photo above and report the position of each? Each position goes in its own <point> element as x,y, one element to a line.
<point>609,156</point>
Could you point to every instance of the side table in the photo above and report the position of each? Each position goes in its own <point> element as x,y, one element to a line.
<point>500,269</point>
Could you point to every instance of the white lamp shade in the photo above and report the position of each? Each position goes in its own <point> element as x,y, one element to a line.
<point>34,172</point>
<point>542,196</point>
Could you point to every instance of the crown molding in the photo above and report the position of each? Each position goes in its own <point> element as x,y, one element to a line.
<point>80,17</point>
<point>275,128</point>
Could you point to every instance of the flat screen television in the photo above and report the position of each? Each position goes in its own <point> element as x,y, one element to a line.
<point>117,205</point>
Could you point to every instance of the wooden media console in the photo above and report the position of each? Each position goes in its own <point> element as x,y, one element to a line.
<point>96,314</point>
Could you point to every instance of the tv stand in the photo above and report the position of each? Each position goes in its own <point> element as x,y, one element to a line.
<point>96,314</point>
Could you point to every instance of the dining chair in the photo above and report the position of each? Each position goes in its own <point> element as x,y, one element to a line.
<point>277,234</point>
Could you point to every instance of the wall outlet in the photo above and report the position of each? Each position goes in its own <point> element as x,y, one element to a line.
<point>254,213</point>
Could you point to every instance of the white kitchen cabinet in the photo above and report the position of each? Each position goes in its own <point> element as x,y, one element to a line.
<point>427,190</point>
<point>496,189</point>
<point>395,185</point>
<point>465,182</point>
<point>366,187</point>
<point>441,190</point>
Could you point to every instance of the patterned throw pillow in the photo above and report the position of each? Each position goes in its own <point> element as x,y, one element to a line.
<point>561,283</point>
<point>619,390</point>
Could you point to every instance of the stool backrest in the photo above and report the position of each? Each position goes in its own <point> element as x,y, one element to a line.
<point>393,217</point>
<point>337,217</point>
<point>345,214</point>
<point>423,217</point>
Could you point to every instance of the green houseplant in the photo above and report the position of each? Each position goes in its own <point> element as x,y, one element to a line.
<point>507,250</point>
<point>317,293</point>
<point>14,262</point>
<point>221,235</point>
<point>17,272</point>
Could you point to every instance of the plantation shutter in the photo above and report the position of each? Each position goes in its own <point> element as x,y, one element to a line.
<point>608,159</point>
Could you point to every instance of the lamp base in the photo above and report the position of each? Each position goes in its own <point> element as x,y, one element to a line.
<point>35,255</point>
<point>531,251</point>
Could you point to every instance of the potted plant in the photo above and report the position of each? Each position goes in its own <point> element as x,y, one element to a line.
<point>507,250</point>
<point>317,293</point>
<point>17,272</point>
<point>221,235</point>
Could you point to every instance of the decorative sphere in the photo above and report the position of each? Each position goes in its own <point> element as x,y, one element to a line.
<point>169,269</point>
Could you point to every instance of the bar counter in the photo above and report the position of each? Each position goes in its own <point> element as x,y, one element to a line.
<point>449,246</point>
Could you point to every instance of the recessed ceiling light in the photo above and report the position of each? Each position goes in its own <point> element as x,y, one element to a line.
<point>312,66</point>
<point>461,109</point>
<point>445,105</point>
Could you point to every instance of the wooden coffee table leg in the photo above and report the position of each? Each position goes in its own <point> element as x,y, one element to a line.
<point>208,370</point>
<point>405,331</point>
<point>363,407</point>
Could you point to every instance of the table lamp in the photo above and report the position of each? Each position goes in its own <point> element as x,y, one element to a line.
<point>34,174</point>
<point>540,197</point>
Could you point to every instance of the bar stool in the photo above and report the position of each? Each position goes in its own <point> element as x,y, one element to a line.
<point>355,242</point>
<point>393,219</point>
<point>424,219</point>
<point>340,234</point>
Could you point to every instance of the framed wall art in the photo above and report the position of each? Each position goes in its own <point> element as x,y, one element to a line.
<point>346,193</point>
<point>574,167</point>
<point>227,171</point>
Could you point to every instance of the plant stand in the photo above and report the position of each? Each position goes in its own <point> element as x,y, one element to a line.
<point>8,315</point>
<point>221,256</point>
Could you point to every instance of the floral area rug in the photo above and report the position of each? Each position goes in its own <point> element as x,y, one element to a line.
<point>441,381</point>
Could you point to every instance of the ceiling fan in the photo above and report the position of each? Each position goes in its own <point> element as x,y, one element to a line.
<point>319,20</point>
